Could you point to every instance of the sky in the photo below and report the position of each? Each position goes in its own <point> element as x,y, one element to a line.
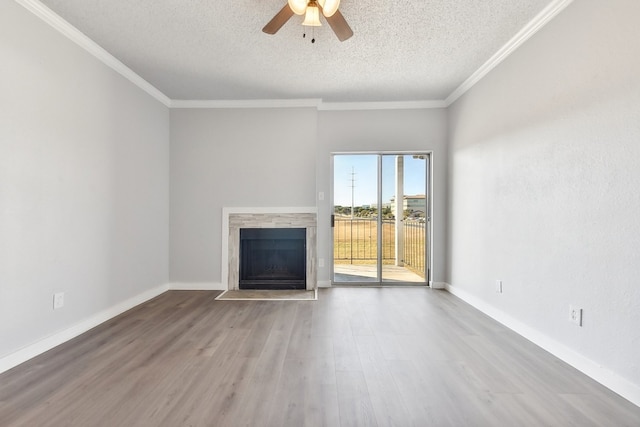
<point>365,169</point>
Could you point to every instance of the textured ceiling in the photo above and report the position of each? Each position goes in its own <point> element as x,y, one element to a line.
<point>215,49</point>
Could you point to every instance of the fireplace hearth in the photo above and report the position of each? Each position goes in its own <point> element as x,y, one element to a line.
<point>272,258</point>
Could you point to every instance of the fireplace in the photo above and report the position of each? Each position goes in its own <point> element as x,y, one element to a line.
<point>236,219</point>
<point>272,258</point>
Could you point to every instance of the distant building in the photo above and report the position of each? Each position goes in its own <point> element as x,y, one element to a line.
<point>383,205</point>
<point>417,203</point>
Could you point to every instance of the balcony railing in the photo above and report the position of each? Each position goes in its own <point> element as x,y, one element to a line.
<point>355,241</point>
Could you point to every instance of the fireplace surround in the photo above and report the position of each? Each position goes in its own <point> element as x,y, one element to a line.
<point>235,219</point>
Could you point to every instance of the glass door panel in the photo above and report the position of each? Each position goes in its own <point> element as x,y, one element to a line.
<point>380,219</point>
<point>404,213</point>
<point>355,228</point>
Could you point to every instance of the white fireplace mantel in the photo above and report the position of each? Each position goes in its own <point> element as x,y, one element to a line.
<point>271,217</point>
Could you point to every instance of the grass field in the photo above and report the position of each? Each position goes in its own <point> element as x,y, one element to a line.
<point>358,240</point>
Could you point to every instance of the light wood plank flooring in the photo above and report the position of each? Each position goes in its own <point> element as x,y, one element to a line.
<point>356,357</point>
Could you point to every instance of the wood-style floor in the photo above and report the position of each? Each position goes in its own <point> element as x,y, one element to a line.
<point>356,357</point>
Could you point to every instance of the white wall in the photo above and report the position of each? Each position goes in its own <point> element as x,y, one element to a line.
<point>544,195</point>
<point>83,183</point>
<point>232,158</point>
<point>382,130</point>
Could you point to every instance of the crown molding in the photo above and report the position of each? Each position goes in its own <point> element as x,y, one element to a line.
<point>75,35</point>
<point>306,103</point>
<point>396,105</point>
<point>68,30</point>
<point>248,103</point>
<point>539,21</point>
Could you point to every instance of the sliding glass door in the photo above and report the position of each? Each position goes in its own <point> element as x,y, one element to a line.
<point>381,218</point>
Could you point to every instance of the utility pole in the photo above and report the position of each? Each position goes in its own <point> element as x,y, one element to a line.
<point>353,186</point>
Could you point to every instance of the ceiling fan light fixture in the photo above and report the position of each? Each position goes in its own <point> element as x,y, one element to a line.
<point>298,6</point>
<point>311,10</point>
<point>312,17</point>
<point>329,7</point>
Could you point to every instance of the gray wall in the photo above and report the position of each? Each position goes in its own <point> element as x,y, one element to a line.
<point>83,183</point>
<point>382,130</point>
<point>544,185</point>
<point>233,158</point>
<point>277,158</point>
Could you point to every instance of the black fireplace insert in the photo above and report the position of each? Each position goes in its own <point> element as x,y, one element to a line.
<point>273,258</point>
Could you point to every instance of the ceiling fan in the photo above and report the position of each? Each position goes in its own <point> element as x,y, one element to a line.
<point>312,10</point>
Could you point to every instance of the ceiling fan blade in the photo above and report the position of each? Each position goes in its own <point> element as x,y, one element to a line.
<point>279,20</point>
<point>339,26</point>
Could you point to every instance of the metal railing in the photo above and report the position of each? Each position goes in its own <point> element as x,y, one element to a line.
<point>414,245</point>
<point>355,241</point>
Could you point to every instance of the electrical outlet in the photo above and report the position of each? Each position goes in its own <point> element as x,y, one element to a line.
<point>58,300</point>
<point>498,286</point>
<point>321,262</point>
<point>575,315</point>
<point>321,195</point>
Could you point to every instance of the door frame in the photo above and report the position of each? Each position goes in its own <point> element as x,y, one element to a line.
<point>429,216</point>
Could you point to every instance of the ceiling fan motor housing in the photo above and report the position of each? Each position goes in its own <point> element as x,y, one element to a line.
<point>329,7</point>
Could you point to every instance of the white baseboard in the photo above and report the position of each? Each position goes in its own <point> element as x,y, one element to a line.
<point>197,286</point>
<point>16,358</point>
<point>599,373</point>
<point>438,285</point>
<point>324,283</point>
